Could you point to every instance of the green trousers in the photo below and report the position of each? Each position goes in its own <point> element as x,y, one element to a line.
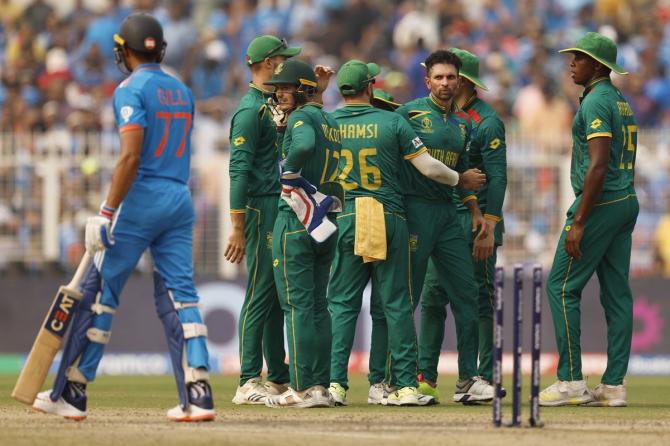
<point>261,323</point>
<point>605,247</point>
<point>435,298</point>
<point>436,234</point>
<point>301,268</point>
<point>391,300</point>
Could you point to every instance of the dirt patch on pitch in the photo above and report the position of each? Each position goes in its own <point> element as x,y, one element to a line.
<point>357,426</point>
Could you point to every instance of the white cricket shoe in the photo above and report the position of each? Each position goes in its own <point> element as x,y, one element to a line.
<point>379,393</point>
<point>315,396</point>
<point>60,407</point>
<point>605,395</point>
<point>252,392</point>
<point>192,413</point>
<point>338,394</point>
<point>273,388</point>
<point>409,396</point>
<point>473,390</point>
<point>565,393</point>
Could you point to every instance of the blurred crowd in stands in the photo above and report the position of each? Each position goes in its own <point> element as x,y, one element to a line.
<point>57,68</point>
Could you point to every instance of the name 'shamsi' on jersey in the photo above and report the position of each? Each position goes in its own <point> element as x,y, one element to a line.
<point>604,112</point>
<point>375,144</point>
<point>163,106</point>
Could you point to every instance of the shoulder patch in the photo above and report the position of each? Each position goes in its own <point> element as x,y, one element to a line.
<point>126,112</point>
<point>297,124</point>
<point>414,114</point>
<point>416,142</point>
<point>239,141</point>
<point>473,113</point>
<point>494,144</point>
<point>596,123</point>
<point>463,115</point>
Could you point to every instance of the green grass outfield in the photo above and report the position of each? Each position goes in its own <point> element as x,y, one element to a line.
<point>129,410</point>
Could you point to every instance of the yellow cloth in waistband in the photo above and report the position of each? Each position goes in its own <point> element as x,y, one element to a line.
<point>370,238</point>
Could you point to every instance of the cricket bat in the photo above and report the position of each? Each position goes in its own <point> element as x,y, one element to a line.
<point>50,337</point>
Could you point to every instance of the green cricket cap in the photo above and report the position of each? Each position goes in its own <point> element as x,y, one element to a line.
<point>266,46</point>
<point>382,99</point>
<point>355,75</point>
<point>294,72</point>
<point>469,66</point>
<point>598,47</point>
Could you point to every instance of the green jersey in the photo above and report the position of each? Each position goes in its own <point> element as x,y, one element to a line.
<point>254,153</point>
<point>446,134</point>
<point>311,146</point>
<point>374,144</point>
<point>488,153</point>
<point>604,112</point>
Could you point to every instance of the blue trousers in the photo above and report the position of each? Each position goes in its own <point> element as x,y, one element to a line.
<point>156,214</point>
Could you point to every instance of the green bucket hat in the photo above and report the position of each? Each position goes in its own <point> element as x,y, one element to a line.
<point>382,99</point>
<point>598,47</point>
<point>469,66</point>
<point>354,75</point>
<point>294,72</point>
<point>266,46</point>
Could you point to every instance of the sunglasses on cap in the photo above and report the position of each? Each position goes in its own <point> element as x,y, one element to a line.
<point>283,44</point>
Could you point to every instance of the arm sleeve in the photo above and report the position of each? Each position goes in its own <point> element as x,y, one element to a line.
<point>410,144</point>
<point>129,109</point>
<point>303,140</point>
<point>463,164</point>
<point>433,169</point>
<point>597,116</point>
<point>244,130</point>
<point>494,155</point>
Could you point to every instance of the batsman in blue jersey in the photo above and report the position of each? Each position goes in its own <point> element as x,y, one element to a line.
<point>148,206</point>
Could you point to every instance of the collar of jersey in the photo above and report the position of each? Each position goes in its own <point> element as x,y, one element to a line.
<point>313,104</point>
<point>259,89</point>
<point>471,100</point>
<point>147,66</point>
<point>357,104</point>
<point>433,103</point>
<point>589,87</point>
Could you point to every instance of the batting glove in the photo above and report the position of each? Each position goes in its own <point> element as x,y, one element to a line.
<point>98,233</point>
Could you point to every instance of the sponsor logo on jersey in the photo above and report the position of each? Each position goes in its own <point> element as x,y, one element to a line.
<point>239,141</point>
<point>596,123</point>
<point>495,143</point>
<point>150,43</point>
<point>416,142</point>
<point>462,127</point>
<point>126,112</point>
<point>268,240</point>
<point>275,263</point>
<point>297,124</point>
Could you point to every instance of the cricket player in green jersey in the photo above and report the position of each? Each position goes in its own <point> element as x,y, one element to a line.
<point>254,191</point>
<point>375,144</point>
<point>487,153</point>
<point>310,152</point>
<point>434,228</point>
<point>598,228</point>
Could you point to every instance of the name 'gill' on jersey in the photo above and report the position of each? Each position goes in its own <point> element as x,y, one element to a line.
<point>161,105</point>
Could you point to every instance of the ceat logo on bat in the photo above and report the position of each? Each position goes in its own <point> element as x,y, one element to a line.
<point>149,43</point>
<point>59,317</point>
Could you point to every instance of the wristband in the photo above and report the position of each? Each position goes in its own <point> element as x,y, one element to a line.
<point>107,211</point>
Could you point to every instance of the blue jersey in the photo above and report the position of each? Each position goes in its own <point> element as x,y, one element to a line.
<point>163,106</point>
